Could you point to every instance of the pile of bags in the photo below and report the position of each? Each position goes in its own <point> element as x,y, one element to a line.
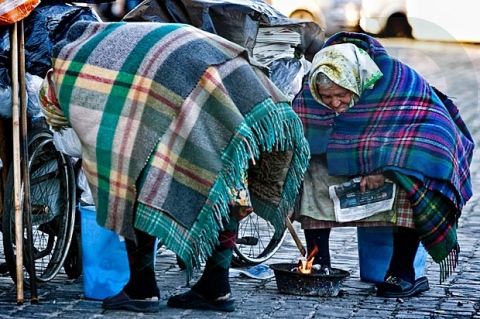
<point>45,24</point>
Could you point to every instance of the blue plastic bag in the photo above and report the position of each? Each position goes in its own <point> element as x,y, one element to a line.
<point>104,258</point>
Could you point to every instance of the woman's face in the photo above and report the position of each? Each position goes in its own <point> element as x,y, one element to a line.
<point>336,97</point>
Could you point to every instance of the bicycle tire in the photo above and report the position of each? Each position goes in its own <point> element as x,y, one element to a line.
<point>73,262</point>
<point>52,193</point>
<point>255,242</point>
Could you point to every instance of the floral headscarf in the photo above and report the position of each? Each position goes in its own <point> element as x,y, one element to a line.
<point>347,66</point>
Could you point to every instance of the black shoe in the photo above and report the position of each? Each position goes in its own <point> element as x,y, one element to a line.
<point>395,287</point>
<point>192,300</point>
<point>122,301</point>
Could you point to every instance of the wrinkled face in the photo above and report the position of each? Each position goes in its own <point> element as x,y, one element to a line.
<point>336,97</point>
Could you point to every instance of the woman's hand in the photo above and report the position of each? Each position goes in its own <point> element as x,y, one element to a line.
<point>372,182</point>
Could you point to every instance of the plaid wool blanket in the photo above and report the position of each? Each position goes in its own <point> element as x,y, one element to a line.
<point>170,117</point>
<point>406,127</point>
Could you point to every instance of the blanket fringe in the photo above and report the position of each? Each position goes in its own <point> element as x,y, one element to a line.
<point>268,137</point>
<point>448,265</point>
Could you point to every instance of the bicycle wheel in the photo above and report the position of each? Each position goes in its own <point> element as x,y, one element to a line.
<point>255,243</point>
<point>52,194</point>
<point>73,262</point>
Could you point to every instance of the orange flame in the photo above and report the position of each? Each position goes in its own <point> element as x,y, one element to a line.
<point>305,266</point>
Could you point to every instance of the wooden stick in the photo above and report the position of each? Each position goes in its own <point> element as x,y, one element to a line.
<point>295,237</point>
<point>27,207</point>
<point>16,165</point>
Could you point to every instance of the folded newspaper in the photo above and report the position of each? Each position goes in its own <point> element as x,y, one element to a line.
<point>351,204</point>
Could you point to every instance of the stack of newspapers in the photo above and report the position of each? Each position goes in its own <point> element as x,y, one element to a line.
<point>275,43</point>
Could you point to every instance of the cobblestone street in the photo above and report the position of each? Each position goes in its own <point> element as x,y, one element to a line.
<point>455,70</point>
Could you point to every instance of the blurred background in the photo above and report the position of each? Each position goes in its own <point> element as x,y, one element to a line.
<point>436,20</point>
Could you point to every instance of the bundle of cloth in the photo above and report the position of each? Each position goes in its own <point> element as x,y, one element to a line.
<point>172,120</point>
<point>404,127</point>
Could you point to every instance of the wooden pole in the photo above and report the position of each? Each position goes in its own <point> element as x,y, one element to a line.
<point>297,240</point>
<point>27,207</point>
<point>16,165</point>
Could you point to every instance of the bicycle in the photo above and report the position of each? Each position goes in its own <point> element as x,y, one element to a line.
<point>255,241</point>
<point>53,209</point>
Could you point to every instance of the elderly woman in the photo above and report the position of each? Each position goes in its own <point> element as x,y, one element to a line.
<point>179,135</point>
<point>370,116</point>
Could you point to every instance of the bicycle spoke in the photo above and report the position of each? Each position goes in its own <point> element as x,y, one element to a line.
<point>255,242</point>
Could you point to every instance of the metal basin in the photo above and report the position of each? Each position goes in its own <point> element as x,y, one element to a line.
<point>314,284</point>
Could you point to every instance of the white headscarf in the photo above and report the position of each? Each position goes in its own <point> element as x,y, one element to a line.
<point>347,66</point>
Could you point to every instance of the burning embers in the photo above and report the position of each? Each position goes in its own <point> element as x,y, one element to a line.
<point>306,266</point>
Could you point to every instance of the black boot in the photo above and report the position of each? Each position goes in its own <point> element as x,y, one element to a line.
<point>142,284</point>
<point>405,246</point>
<point>321,239</point>
<point>141,293</point>
<point>213,274</point>
<point>400,278</point>
<point>212,290</point>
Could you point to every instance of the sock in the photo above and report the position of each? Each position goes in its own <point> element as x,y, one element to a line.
<point>214,282</point>
<point>320,238</point>
<point>405,246</point>
<point>142,283</point>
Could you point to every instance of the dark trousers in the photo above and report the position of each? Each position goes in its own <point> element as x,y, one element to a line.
<point>405,246</point>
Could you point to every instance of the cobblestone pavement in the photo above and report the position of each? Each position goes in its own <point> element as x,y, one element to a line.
<point>453,68</point>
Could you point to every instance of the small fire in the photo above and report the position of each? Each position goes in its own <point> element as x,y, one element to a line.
<point>305,266</point>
